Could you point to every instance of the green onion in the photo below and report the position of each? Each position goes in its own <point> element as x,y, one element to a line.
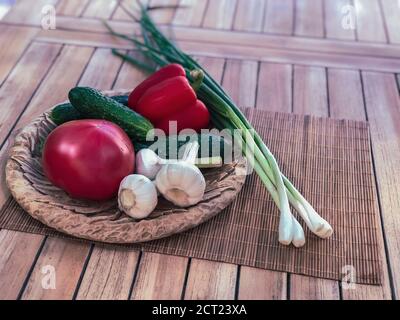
<point>226,115</point>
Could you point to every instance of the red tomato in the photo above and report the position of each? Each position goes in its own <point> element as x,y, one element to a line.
<point>88,158</point>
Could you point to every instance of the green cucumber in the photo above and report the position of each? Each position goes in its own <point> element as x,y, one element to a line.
<point>66,112</point>
<point>211,145</point>
<point>121,99</point>
<point>92,104</point>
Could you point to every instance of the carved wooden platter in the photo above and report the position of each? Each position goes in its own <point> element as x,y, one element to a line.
<point>104,222</point>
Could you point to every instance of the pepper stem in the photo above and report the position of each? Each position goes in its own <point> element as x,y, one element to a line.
<point>198,77</point>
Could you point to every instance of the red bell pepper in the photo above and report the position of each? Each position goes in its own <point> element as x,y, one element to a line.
<point>168,96</point>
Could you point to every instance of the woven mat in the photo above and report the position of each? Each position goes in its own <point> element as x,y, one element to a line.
<point>329,161</point>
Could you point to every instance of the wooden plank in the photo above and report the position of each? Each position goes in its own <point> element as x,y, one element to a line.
<point>279,17</point>
<point>335,13</point>
<point>309,18</point>
<point>13,41</point>
<point>209,280</point>
<point>163,16</point>
<point>233,51</point>
<point>61,76</point>
<point>101,75</point>
<point>306,288</point>
<point>129,76</point>
<point>18,252</point>
<point>19,249</point>
<point>259,284</point>
<point>18,88</point>
<point>370,25</point>
<point>346,102</point>
<point>109,274</point>
<point>289,56</point>
<point>27,11</point>
<point>214,66</point>
<point>83,39</point>
<point>65,258</point>
<point>275,87</point>
<point>192,14</point>
<point>345,95</point>
<point>160,277</point>
<point>64,74</point>
<point>220,14</point>
<point>240,81</point>
<point>127,8</point>
<point>310,91</point>
<point>249,15</point>
<point>232,38</point>
<point>71,7</point>
<point>310,96</point>
<point>391,9</point>
<point>383,110</point>
<point>101,9</point>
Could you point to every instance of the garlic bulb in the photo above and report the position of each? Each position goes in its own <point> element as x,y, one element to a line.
<point>137,196</point>
<point>181,183</point>
<point>148,163</point>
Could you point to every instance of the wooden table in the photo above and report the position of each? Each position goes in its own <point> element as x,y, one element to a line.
<point>283,55</point>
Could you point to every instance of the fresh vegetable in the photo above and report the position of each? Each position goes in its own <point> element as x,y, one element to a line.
<point>182,182</point>
<point>148,163</point>
<point>137,196</point>
<point>88,158</point>
<point>226,115</point>
<point>168,96</point>
<point>168,72</point>
<point>66,112</point>
<point>211,145</point>
<point>121,99</point>
<point>93,104</point>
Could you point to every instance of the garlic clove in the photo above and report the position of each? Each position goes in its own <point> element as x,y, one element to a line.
<point>148,163</point>
<point>181,183</point>
<point>137,196</point>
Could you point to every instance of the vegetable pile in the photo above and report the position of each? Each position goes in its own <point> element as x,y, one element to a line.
<point>226,115</point>
<point>91,154</point>
<point>93,159</point>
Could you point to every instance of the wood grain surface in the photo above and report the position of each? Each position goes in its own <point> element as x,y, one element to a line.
<point>281,55</point>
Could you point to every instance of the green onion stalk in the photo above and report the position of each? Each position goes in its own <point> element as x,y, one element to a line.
<point>226,115</point>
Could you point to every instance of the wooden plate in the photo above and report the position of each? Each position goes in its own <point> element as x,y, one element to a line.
<point>103,222</point>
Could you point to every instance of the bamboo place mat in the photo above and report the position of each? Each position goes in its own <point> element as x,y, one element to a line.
<point>329,161</point>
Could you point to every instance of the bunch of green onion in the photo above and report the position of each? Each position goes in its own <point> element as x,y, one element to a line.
<point>226,115</point>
